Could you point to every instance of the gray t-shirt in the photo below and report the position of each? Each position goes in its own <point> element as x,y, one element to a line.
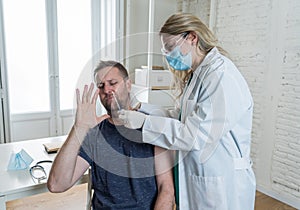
<point>122,169</point>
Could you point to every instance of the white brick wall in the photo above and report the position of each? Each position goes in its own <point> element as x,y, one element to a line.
<point>197,7</point>
<point>263,39</point>
<point>286,155</point>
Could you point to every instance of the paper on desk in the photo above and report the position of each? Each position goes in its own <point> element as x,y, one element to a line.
<point>52,147</point>
<point>19,161</point>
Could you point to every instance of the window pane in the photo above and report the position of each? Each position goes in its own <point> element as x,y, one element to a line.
<point>74,45</point>
<point>26,53</point>
<point>108,27</point>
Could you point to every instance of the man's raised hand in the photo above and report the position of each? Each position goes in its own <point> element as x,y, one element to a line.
<point>86,116</point>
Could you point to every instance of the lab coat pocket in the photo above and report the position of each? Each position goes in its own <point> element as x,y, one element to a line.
<point>207,193</point>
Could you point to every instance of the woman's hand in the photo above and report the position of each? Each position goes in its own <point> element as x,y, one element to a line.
<point>132,119</point>
<point>86,116</point>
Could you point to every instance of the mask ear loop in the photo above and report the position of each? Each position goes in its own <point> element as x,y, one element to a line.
<point>185,36</point>
<point>182,37</point>
<point>163,49</point>
<point>179,46</point>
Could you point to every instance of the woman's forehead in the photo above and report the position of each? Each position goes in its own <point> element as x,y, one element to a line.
<point>168,37</point>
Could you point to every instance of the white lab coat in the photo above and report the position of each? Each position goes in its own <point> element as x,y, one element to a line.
<point>213,138</point>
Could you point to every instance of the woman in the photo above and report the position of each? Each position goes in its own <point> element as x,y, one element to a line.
<point>212,131</point>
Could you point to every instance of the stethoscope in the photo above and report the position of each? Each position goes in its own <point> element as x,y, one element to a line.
<point>38,171</point>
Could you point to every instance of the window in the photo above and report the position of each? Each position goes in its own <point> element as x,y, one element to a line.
<point>47,45</point>
<point>26,55</point>
<point>74,45</point>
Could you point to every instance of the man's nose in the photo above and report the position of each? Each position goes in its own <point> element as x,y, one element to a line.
<point>108,89</point>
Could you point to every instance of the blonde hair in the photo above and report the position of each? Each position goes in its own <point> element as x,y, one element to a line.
<point>180,23</point>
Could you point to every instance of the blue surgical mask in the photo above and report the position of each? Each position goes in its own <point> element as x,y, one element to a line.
<point>19,161</point>
<point>178,61</point>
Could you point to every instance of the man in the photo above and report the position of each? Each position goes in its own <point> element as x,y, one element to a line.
<point>124,175</point>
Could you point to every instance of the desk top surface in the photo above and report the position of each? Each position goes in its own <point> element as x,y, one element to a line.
<point>21,180</point>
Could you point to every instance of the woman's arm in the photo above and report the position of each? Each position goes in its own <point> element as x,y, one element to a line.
<point>157,110</point>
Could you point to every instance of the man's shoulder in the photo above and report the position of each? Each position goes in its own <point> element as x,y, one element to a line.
<point>98,127</point>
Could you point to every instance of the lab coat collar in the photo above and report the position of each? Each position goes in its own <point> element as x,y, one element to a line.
<point>210,58</point>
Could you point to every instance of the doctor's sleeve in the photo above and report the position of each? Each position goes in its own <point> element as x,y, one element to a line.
<point>157,110</point>
<point>206,118</point>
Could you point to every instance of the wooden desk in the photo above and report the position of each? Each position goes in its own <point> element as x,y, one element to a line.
<point>19,183</point>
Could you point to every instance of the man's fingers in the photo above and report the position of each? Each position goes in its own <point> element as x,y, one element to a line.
<point>84,94</point>
<point>94,99</point>
<point>87,93</point>
<point>78,96</point>
<point>123,117</point>
<point>122,114</point>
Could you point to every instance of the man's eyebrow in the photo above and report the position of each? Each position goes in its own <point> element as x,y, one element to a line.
<point>109,80</point>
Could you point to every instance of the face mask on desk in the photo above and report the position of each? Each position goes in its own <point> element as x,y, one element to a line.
<point>19,161</point>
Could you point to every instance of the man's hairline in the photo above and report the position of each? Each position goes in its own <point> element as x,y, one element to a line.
<point>111,67</point>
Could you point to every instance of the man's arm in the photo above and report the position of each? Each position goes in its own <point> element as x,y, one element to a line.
<point>164,178</point>
<point>68,167</point>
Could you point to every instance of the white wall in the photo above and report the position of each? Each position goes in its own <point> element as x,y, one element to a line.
<point>144,19</point>
<point>138,29</point>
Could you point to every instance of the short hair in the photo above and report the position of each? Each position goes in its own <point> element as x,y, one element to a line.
<point>103,64</point>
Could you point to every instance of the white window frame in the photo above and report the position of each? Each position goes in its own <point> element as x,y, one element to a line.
<point>4,104</point>
<point>58,121</point>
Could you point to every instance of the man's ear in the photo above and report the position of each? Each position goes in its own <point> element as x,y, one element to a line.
<point>128,84</point>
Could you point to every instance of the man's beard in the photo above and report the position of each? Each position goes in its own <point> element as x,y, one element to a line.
<point>112,108</point>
